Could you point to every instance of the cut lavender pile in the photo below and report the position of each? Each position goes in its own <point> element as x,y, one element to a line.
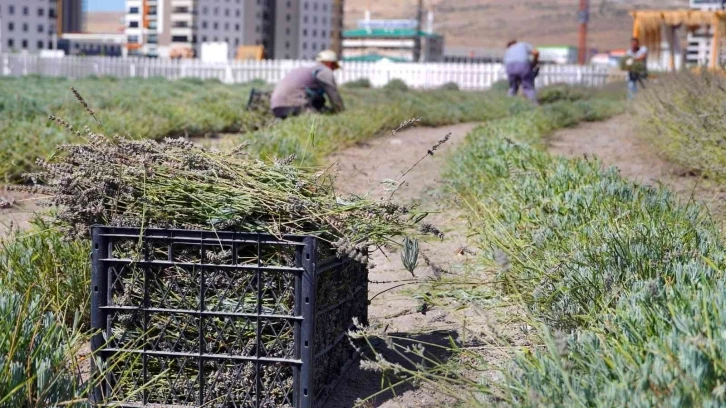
<point>176,184</point>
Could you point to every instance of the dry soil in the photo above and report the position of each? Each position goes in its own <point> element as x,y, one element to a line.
<point>376,168</point>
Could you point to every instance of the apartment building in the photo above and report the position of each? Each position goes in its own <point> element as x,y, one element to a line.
<point>70,15</point>
<point>291,29</point>
<point>34,25</point>
<point>699,42</point>
<point>303,28</point>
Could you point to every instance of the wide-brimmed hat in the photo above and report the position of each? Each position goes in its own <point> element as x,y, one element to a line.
<point>328,56</point>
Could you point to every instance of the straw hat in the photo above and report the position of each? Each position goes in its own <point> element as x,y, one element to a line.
<point>328,56</point>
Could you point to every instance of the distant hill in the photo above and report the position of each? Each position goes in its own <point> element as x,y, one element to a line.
<point>105,22</point>
<point>490,23</point>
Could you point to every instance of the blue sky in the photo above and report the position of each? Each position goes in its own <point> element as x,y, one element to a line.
<point>105,5</point>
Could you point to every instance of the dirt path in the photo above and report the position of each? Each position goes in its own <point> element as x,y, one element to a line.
<point>616,143</point>
<point>361,169</point>
<point>16,210</point>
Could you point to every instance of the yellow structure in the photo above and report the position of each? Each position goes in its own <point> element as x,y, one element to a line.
<point>649,26</point>
<point>247,52</point>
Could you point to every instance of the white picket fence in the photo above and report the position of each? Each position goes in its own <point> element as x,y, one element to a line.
<point>425,75</point>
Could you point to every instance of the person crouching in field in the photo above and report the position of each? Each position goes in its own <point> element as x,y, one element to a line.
<point>304,89</point>
<point>522,61</point>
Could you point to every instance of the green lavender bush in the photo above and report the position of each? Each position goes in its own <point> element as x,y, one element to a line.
<point>38,364</point>
<point>43,263</point>
<point>682,117</point>
<point>627,282</point>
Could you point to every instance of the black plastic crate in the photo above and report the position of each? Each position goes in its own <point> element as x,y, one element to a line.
<point>209,318</point>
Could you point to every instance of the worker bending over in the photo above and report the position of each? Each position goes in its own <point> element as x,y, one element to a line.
<point>522,63</point>
<point>636,65</point>
<point>304,89</point>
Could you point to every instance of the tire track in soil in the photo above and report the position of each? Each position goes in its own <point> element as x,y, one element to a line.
<point>360,170</point>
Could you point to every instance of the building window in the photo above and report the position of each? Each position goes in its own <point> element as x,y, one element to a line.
<point>205,10</point>
<point>305,32</point>
<point>204,24</point>
<point>226,12</point>
<point>133,10</point>
<point>257,29</point>
<point>25,44</point>
<point>152,39</point>
<point>306,5</point>
<point>287,31</point>
<point>50,45</point>
<point>11,10</point>
<point>41,13</point>
<point>152,25</point>
<point>323,33</point>
<point>287,44</point>
<point>237,13</point>
<point>25,27</point>
<point>325,7</point>
<point>226,26</point>
<point>179,38</point>
<point>51,13</point>
<point>288,17</point>
<point>305,45</point>
<point>226,40</point>
<point>11,26</point>
<point>216,39</point>
<point>41,29</point>
<point>26,11</point>
<point>289,4</point>
<point>315,6</point>
<point>204,38</point>
<point>133,24</point>
<point>315,20</point>
<point>216,10</point>
<point>40,45</point>
<point>315,46</point>
<point>305,19</point>
<point>325,20</point>
<point>236,27</point>
<point>236,41</point>
<point>315,33</point>
<point>11,43</point>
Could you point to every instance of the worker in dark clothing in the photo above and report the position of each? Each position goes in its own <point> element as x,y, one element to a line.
<point>304,89</point>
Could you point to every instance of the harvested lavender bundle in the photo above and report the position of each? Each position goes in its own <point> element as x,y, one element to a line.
<point>176,184</point>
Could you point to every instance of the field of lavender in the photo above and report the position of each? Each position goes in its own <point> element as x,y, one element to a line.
<point>622,284</point>
<point>45,272</point>
<point>157,108</point>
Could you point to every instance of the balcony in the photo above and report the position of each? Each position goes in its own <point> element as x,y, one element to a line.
<point>182,24</point>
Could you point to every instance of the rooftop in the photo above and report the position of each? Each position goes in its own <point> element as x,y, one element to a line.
<point>387,33</point>
<point>373,57</point>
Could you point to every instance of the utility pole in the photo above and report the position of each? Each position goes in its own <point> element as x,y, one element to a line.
<point>583,17</point>
<point>337,40</point>
<point>417,38</point>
